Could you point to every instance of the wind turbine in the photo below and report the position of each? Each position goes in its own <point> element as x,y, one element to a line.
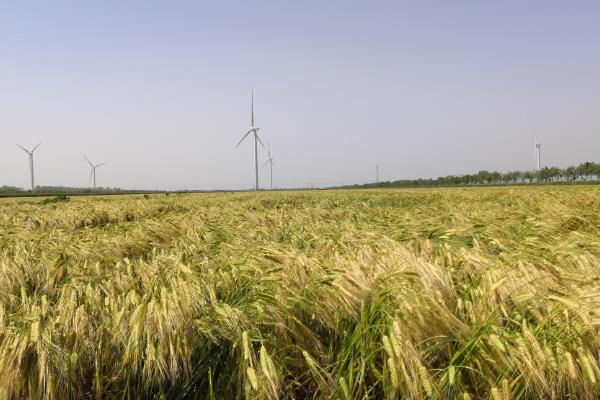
<point>538,152</point>
<point>30,153</point>
<point>377,171</point>
<point>269,161</point>
<point>257,140</point>
<point>93,172</point>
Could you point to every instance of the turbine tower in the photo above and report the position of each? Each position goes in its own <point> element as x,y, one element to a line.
<point>538,153</point>
<point>269,161</point>
<point>377,171</point>
<point>93,172</point>
<point>257,140</point>
<point>30,153</point>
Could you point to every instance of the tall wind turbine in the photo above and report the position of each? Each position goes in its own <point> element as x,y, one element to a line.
<point>257,140</point>
<point>538,153</point>
<point>377,171</point>
<point>30,153</point>
<point>269,161</point>
<point>93,172</point>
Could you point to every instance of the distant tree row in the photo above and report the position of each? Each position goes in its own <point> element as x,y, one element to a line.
<point>585,172</point>
<point>66,189</point>
<point>43,190</point>
<point>10,189</point>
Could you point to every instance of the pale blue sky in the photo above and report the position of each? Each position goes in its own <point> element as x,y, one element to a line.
<point>161,90</point>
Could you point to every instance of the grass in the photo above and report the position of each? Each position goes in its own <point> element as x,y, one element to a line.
<point>431,293</point>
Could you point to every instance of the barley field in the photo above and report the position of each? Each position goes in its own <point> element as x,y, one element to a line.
<point>480,293</point>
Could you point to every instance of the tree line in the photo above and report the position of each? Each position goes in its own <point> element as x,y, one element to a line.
<point>584,172</point>
<point>58,189</point>
<point>40,191</point>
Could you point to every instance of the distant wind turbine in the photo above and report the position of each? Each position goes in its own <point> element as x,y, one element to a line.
<point>377,172</point>
<point>93,172</point>
<point>257,140</point>
<point>538,153</point>
<point>269,161</point>
<point>30,153</point>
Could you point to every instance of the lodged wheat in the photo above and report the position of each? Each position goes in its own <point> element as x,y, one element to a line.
<point>375,294</point>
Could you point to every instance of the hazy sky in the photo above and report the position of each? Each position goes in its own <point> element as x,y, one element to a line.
<point>160,90</point>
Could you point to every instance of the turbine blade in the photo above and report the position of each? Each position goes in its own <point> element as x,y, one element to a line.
<point>38,145</point>
<point>99,165</point>
<point>259,141</point>
<point>89,162</point>
<point>265,164</point>
<point>24,149</point>
<point>245,136</point>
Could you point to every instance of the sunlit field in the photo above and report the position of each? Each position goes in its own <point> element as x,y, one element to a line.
<point>384,294</point>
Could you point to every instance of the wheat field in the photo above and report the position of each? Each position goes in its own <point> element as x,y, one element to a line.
<point>480,293</point>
